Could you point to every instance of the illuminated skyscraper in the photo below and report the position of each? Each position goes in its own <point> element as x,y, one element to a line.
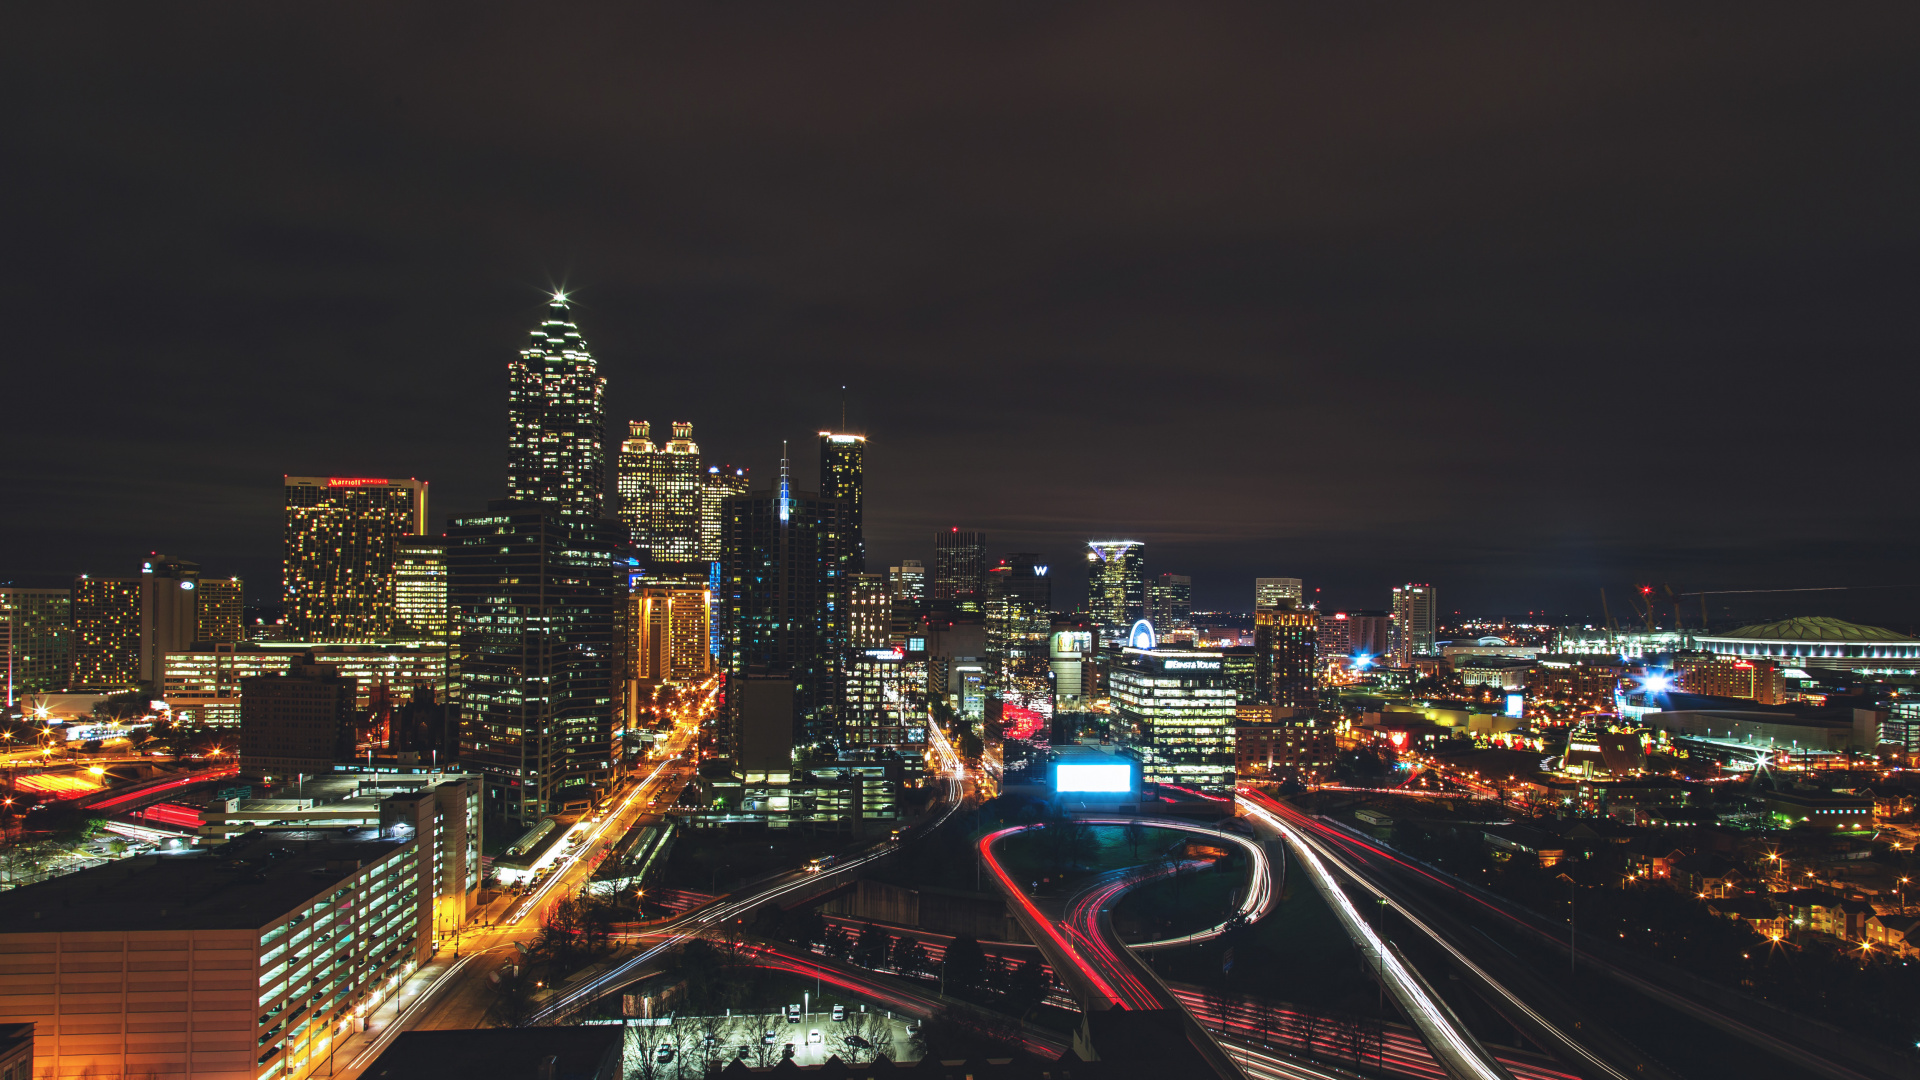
<point>959,570</point>
<point>1413,621</point>
<point>1285,649</point>
<point>556,418</point>
<point>1116,585</point>
<point>662,492</point>
<point>169,616</point>
<point>907,583</point>
<point>535,599</point>
<point>783,580</point>
<point>420,589</point>
<point>667,634</point>
<point>219,611</point>
<point>842,476</point>
<point>1278,592</point>
<point>869,611</point>
<point>1170,607</point>
<point>36,640</point>
<point>718,483</point>
<point>342,533</point>
<point>106,633</point>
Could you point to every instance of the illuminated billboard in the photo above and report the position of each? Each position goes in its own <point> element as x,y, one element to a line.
<point>1117,777</point>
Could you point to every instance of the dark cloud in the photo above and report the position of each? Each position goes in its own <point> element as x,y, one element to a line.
<point>1517,301</point>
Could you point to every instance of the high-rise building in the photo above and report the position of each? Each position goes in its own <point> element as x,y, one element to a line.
<point>667,634</point>
<point>420,589</point>
<point>959,570</point>
<point>783,579</point>
<point>662,493</point>
<point>106,633</point>
<point>556,419</point>
<point>36,640</point>
<point>342,534</point>
<point>1174,711</point>
<point>220,611</point>
<point>204,685</point>
<point>1285,642</point>
<point>1413,623</point>
<point>169,617</point>
<point>869,612</point>
<point>1347,637</point>
<point>907,583</point>
<point>1278,592</point>
<point>843,476</point>
<point>1019,623</point>
<point>299,722</point>
<point>1116,585</point>
<point>720,483</point>
<point>535,600</point>
<point>1170,606</point>
<point>1071,656</point>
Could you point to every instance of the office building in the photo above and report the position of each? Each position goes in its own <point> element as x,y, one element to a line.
<point>719,483</point>
<point>907,583</point>
<point>662,493</point>
<point>1270,593</point>
<point>1717,675</point>
<point>784,579</point>
<point>1170,607</point>
<point>843,477</point>
<point>1350,638</point>
<point>667,634</point>
<point>106,634</point>
<point>298,722</point>
<point>881,704</point>
<point>556,418</point>
<point>341,541</point>
<point>1174,712</point>
<point>1285,638</point>
<point>203,686</point>
<point>1299,747</point>
<point>1019,624</point>
<point>169,617</point>
<point>1414,608</point>
<point>36,640</point>
<point>241,962</point>
<point>219,611</point>
<point>420,589</point>
<point>869,612</point>
<point>536,601</point>
<point>959,570</point>
<point>1071,658</point>
<point>1116,585</point>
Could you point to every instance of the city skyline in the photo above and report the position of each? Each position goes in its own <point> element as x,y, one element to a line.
<point>1457,342</point>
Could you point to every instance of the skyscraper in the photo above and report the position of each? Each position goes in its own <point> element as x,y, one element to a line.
<point>106,633</point>
<point>869,611</point>
<point>959,570</point>
<point>1413,623</point>
<point>1170,606</point>
<point>340,539</point>
<point>36,640</point>
<point>783,579</point>
<point>535,599</point>
<point>169,617</point>
<point>420,589</point>
<point>1270,593</point>
<point>556,418</point>
<point>1116,585</point>
<point>842,476</point>
<point>219,614</point>
<point>662,492</point>
<point>719,483</point>
<point>907,583</point>
<point>1019,621</point>
<point>1285,643</point>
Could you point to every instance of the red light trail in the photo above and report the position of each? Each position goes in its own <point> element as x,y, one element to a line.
<point>177,782</point>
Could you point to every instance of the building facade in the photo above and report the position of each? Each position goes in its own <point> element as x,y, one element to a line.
<point>536,600</point>
<point>106,633</point>
<point>420,589</point>
<point>1414,612</point>
<point>843,468</point>
<point>341,538</point>
<point>662,492</point>
<point>219,611</point>
<point>1271,593</point>
<point>1170,606</point>
<point>1116,585</point>
<point>907,583</point>
<point>556,419</point>
<point>1174,711</point>
<point>298,722</point>
<point>169,614</point>
<point>1288,640</point>
<point>203,686</point>
<point>719,483</point>
<point>36,640</point>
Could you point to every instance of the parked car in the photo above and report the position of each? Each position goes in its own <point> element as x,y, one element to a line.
<point>770,1039</point>
<point>664,1053</point>
<point>858,1043</point>
<point>813,1037</point>
<point>839,1013</point>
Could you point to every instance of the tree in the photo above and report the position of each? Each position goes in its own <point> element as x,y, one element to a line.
<point>854,1039</point>
<point>715,1035</point>
<point>910,957</point>
<point>965,966</point>
<point>871,950</point>
<point>1028,985</point>
<point>1136,834</point>
<point>1310,1024</point>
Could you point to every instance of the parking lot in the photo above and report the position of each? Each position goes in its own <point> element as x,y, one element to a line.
<point>684,1046</point>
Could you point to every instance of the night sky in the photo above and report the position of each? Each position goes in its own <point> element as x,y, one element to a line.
<point>1520,301</point>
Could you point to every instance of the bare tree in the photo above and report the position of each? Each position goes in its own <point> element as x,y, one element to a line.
<point>713,1033</point>
<point>763,1054</point>
<point>1311,1025</point>
<point>1353,1035</point>
<point>852,1039</point>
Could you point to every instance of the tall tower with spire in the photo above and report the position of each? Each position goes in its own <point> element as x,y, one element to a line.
<point>556,418</point>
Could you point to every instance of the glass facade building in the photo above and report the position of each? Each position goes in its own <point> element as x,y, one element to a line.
<point>959,570</point>
<point>556,418</point>
<point>1116,585</point>
<point>1174,712</point>
<point>843,476</point>
<point>420,589</point>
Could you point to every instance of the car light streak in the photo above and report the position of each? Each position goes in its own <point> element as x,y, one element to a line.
<point>1260,894</point>
<point>1039,918</point>
<point>178,782</point>
<point>1461,1057</point>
